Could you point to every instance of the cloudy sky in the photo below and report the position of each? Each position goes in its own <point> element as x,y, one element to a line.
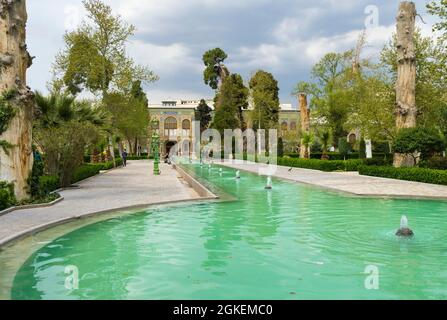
<point>285,37</point>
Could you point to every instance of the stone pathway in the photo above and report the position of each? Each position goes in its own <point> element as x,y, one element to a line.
<point>133,186</point>
<point>353,183</point>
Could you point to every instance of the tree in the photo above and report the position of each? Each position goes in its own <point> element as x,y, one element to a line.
<point>95,56</point>
<point>16,99</point>
<point>306,141</point>
<point>240,97</point>
<point>265,94</point>
<point>419,142</point>
<point>330,91</point>
<point>406,110</point>
<point>344,148</point>
<point>439,9</point>
<point>226,113</point>
<point>280,147</point>
<point>325,139</point>
<point>431,68</point>
<point>129,115</point>
<point>63,131</point>
<point>215,71</point>
<point>203,115</point>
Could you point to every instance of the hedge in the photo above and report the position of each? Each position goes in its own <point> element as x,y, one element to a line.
<point>409,174</point>
<point>7,198</point>
<point>337,156</point>
<point>48,184</point>
<point>322,165</point>
<point>92,169</point>
<point>139,158</point>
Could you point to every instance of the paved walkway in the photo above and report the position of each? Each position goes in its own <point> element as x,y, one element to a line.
<point>354,183</point>
<point>133,186</point>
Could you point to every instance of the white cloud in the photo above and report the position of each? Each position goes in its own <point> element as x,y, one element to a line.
<point>165,59</point>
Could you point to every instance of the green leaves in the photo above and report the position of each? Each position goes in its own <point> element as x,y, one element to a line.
<point>95,56</point>
<point>265,94</point>
<point>424,140</point>
<point>213,61</point>
<point>203,114</point>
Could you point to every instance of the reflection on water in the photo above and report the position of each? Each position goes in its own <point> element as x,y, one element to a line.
<point>291,242</point>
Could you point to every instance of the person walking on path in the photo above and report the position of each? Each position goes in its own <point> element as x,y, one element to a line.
<point>124,156</point>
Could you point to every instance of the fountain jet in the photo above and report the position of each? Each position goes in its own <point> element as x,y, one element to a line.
<point>404,230</point>
<point>238,174</point>
<point>269,183</point>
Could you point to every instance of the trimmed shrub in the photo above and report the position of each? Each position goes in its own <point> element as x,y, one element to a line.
<point>439,163</point>
<point>92,169</point>
<point>379,161</point>
<point>424,140</point>
<point>7,198</point>
<point>409,174</point>
<point>48,184</point>
<point>322,165</point>
<point>134,158</point>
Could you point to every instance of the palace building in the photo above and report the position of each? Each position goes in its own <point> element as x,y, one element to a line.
<point>175,120</point>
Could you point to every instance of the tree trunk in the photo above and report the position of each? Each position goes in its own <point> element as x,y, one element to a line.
<point>406,110</point>
<point>17,162</point>
<point>305,125</point>
<point>112,150</point>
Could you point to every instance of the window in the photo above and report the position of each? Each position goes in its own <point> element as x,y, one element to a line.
<point>186,126</point>
<point>284,126</point>
<point>171,127</point>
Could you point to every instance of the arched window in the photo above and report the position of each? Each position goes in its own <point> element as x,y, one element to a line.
<point>293,125</point>
<point>171,127</point>
<point>284,126</point>
<point>186,126</point>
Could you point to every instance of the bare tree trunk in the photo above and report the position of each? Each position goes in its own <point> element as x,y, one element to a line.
<point>406,110</point>
<point>112,150</point>
<point>17,160</point>
<point>305,125</point>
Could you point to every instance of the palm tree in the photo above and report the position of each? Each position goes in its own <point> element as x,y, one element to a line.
<point>63,130</point>
<point>326,139</point>
<point>307,140</point>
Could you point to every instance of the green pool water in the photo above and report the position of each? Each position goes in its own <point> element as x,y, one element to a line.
<point>293,242</point>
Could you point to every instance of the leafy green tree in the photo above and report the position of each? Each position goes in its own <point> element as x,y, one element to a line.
<point>344,148</point>
<point>95,55</point>
<point>362,149</point>
<point>240,97</point>
<point>226,113</point>
<point>129,116</point>
<point>426,141</point>
<point>215,71</point>
<point>265,94</point>
<point>203,114</point>
<point>439,9</point>
<point>280,147</point>
<point>329,91</point>
<point>64,130</point>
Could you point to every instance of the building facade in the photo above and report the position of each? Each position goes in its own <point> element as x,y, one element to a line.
<point>175,122</point>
